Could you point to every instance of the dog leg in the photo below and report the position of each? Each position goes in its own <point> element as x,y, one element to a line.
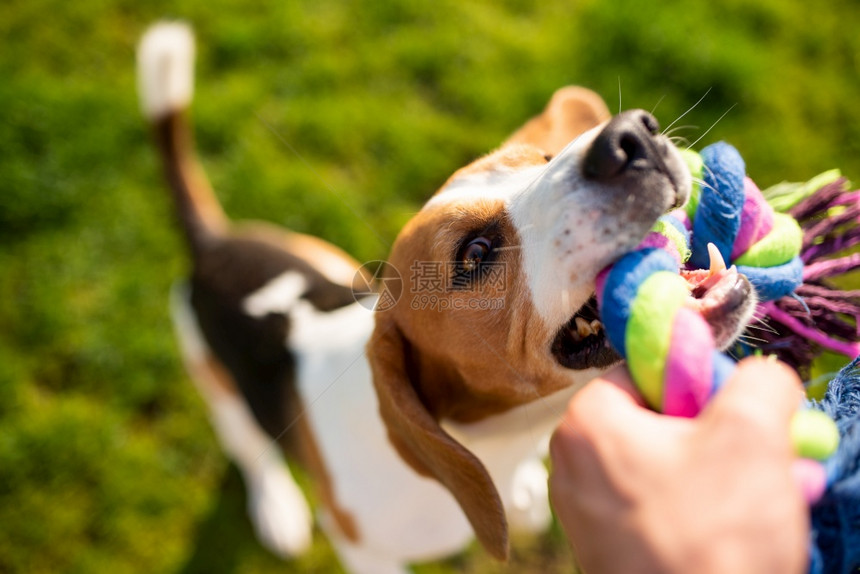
<point>276,505</point>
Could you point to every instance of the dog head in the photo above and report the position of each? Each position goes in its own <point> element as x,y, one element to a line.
<point>513,243</point>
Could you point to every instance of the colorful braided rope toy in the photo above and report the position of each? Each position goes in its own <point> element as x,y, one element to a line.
<point>669,346</point>
<point>651,319</point>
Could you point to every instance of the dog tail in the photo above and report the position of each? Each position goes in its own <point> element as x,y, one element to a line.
<point>165,74</point>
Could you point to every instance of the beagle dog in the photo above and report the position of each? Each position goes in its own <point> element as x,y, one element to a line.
<point>422,410</point>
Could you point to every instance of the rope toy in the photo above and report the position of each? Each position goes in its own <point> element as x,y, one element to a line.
<point>789,241</point>
<point>651,319</point>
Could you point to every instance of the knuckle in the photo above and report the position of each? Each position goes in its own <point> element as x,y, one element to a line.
<point>748,426</point>
<point>742,416</point>
<point>764,371</point>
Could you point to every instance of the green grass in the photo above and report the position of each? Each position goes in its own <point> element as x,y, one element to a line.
<point>107,463</point>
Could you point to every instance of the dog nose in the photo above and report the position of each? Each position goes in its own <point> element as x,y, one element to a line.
<point>625,142</point>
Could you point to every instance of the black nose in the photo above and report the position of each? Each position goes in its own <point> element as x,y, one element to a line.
<point>625,142</point>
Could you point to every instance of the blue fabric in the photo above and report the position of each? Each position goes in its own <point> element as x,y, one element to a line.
<point>723,367</point>
<point>771,283</point>
<point>835,537</point>
<point>622,284</point>
<point>718,216</point>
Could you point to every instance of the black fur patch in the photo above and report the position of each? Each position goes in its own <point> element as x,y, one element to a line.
<point>254,349</point>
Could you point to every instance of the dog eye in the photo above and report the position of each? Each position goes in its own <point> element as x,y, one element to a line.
<point>475,252</point>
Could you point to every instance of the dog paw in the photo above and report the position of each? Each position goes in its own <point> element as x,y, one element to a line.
<point>280,513</point>
<point>528,508</point>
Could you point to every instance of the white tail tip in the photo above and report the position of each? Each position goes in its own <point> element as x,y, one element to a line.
<point>165,69</point>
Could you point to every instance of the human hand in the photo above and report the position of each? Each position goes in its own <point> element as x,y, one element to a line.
<point>637,491</point>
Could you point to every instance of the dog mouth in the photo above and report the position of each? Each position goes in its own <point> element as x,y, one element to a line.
<point>581,343</point>
<point>723,297</point>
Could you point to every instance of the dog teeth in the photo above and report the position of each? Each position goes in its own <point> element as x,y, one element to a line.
<point>718,264</point>
<point>583,328</point>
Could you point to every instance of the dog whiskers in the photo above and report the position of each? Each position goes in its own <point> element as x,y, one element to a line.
<point>690,109</point>
<point>763,327</point>
<point>703,185</point>
<point>667,133</point>
<point>719,119</point>
<point>654,109</point>
<point>750,340</point>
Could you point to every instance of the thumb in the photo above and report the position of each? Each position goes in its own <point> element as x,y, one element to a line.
<point>605,402</point>
<point>614,388</point>
<point>604,408</point>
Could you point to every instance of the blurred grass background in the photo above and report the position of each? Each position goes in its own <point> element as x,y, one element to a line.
<point>107,463</point>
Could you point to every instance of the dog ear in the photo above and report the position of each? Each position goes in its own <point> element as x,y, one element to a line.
<point>425,446</point>
<point>571,111</point>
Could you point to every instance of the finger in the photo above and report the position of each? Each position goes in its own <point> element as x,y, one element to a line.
<point>614,388</point>
<point>765,389</point>
<point>618,381</point>
<point>605,403</point>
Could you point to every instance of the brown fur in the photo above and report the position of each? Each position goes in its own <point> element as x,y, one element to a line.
<point>199,211</point>
<point>571,111</point>
<point>464,365</point>
<point>460,365</point>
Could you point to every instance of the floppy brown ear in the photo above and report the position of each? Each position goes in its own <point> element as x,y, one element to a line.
<point>426,447</point>
<point>571,111</point>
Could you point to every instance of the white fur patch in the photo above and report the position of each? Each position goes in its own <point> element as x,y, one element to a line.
<point>558,229</point>
<point>277,506</point>
<point>277,296</point>
<point>165,69</point>
<point>486,185</point>
<point>511,445</point>
<point>401,516</point>
<point>194,348</point>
